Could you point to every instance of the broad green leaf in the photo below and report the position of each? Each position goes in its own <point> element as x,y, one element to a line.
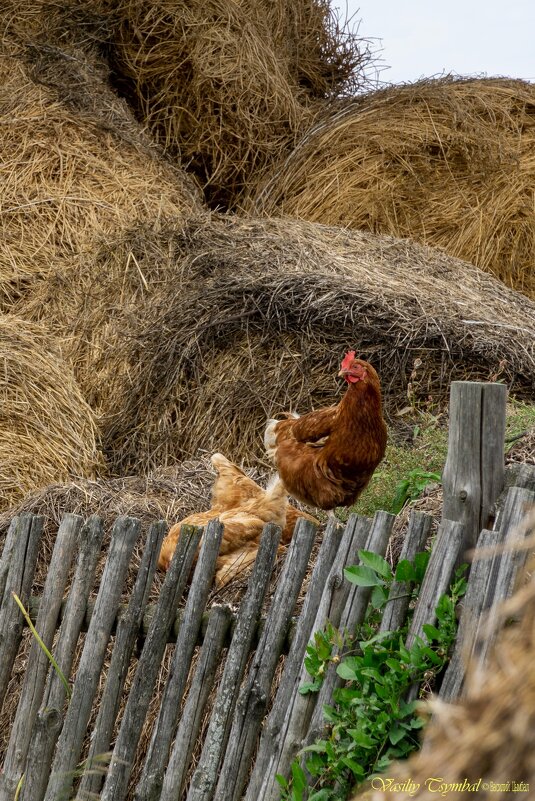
<point>362,575</point>
<point>345,671</point>
<point>405,571</point>
<point>354,767</point>
<point>431,632</point>
<point>379,597</point>
<point>396,734</point>
<point>375,562</point>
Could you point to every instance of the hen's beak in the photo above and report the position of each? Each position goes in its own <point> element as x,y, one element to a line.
<point>342,373</point>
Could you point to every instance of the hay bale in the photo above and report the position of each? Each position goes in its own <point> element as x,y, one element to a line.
<point>227,86</point>
<point>75,167</point>
<point>47,430</point>
<point>449,163</point>
<point>255,316</point>
<point>488,739</point>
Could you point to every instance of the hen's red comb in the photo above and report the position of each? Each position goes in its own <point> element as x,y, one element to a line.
<point>348,358</point>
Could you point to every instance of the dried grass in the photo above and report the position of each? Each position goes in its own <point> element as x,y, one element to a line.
<point>47,430</point>
<point>490,736</point>
<point>75,166</point>
<point>449,163</point>
<point>256,317</point>
<point>227,86</point>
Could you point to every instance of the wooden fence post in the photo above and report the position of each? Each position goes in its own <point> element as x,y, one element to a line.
<point>474,472</point>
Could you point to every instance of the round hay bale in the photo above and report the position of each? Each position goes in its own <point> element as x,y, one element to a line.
<point>255,316</point>
<point>227,86</point>
<point>47,430</point>
<point>449,163</point>
<point>487,740</point>
<point>75,166</point>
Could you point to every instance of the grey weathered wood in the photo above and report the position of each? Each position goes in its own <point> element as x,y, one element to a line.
<point>192,715</point>
<point>50,719</point>
<point>442,562</point>
<point>354,611</point>
<point>150,784</point>
<point>396,607</point>
<point>516,475</point>
<point>509,561</point>
<point>470,620</point>
<point>474,471</point>
<point>273,738</point>
<point>437,577</point>
<point>37,665</point>
<point>7,551</point>
<point>125,640</point>
<point>254,696</point>
<point>330,609</point>
<point>124,535</point>
<point>116,782</point>
<point>205,776</point>
<point>19,580</point>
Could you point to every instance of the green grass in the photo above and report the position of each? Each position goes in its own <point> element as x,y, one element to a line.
<point>425,449</point>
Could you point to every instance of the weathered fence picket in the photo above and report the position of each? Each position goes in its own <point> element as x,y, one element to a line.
<point>36,668</point>
<point>125,639</point>
<point>124,535</point>
<point>116,783</point>
<point>206,773</point>
<point>20,559</point>
<point>46,745</point>
<point>162,734</point>
<point>50,718</point>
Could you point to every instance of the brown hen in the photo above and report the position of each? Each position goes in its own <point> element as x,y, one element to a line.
<point>327,457</point>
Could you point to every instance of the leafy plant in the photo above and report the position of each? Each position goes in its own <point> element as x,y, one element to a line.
<point>371,722</point>
<point>411,487</point>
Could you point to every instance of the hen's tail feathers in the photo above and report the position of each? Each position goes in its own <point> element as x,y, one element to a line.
<point>276,496</point>
<point>270,439</point>
<point>220,462</point>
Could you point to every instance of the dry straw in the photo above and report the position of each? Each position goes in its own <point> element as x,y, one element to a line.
<point>255,316</point>
<point>227,86</point>
<point>75,166</point>
<point>47,430</point>
<point>449,163</point>
<point>489,738</point>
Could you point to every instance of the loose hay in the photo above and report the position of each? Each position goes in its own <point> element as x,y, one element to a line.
<point>75,166</point>
<point>47,430</point>
<point>227,86</point>
<point>257,315</point>
<point>449,163</point>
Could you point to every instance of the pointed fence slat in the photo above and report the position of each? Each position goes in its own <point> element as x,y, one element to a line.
<point>205,776</point>
<point>19,580</point>
<point>437,577</point>
<point>354,611</point>
<point>396,607</point>
<point>124,535</point>
<point>191,719</point>
<point>37,665</point>
<point>473,607</point>
<point>116,783</point>
<point>150,784</point>
<point>254,697</point>
<point>330,609</point>
<point>5,561</point>
<point>274,734</point>
<point>510,562</point>
<point>125,640</point>
<point>474,471</point>
<point>50,719</point>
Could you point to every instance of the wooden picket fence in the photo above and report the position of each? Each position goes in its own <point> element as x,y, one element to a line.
<point>244,746</point>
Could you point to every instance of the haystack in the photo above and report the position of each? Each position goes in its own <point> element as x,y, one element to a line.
<point>256,316</point>
<point>228,86</point>
<point>47,430</point>
<point>75,166</point>
<point>449,163</point>
<point>487,742</point>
